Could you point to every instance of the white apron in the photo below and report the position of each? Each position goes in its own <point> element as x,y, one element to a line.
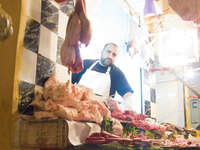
<point>99,82</point>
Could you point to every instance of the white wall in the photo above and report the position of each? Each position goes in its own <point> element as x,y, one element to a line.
<point>169,99</point>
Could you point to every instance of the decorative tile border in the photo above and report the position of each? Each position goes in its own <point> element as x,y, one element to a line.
<point>26,93</point>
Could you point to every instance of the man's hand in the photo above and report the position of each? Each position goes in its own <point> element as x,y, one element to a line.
<point>127,95</point>
<point>113,105</point>
<point>127,103</point>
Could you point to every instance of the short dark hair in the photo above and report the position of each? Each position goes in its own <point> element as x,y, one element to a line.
<point>107,44</point>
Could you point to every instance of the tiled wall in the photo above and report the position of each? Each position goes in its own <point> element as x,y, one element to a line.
<point>46,23</point>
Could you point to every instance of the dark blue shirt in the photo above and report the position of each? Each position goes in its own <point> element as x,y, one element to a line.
<point>119,82</point>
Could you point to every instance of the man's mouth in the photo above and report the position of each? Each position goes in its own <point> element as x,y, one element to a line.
<point>108,61</point>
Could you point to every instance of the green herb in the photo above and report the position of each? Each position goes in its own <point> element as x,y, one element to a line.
<point>152,134</point>
<point>149,134</point>
<point>172,136</point>
<point>129,130</point>
<point>106,125</point>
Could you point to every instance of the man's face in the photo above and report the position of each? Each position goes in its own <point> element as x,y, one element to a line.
<point>108,55</point>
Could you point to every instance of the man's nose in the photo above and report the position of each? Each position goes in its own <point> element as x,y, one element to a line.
<point>110,55</point>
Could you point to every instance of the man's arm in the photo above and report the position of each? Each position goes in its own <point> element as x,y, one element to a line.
<point>113,105</point>
<point>76,77</point>
<point>128,102</point>
<point>127,95</point>
<point>120,83</point>
<point>125,90</point>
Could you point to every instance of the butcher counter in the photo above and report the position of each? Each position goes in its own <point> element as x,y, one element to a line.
<point>62,134</point>
<point>116,147</point>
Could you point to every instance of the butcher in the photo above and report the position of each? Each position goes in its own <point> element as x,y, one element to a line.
<point>104,77</point>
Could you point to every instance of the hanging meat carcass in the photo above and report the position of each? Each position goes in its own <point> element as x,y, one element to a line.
<point>68,55</point>
<point>78,31</point>
<point>186,9</point>
<point>78,65</point>
<point>73,30</point>
<point>86,31</point>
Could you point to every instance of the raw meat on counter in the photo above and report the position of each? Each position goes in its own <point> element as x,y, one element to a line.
<point>105,137</point>
<point>45,114</point>
<point>138,120</point>
<point>76,102</point>
<point>69,101</point>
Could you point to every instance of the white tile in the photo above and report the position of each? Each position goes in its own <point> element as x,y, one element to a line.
<point>55,3</point>
<point>33,9</point>
<point>62,73</point>
<point>48,43</point>
<point>62,24</point>
<point>28,66</point>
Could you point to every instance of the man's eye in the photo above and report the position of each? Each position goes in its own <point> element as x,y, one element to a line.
<point>114,54</point>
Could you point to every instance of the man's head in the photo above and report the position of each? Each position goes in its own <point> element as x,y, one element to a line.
<point>109,54</point>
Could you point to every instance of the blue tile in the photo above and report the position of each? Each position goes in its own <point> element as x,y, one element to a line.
<point>44,70</point>
<point>31,37</point>
<point>49,16</point>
